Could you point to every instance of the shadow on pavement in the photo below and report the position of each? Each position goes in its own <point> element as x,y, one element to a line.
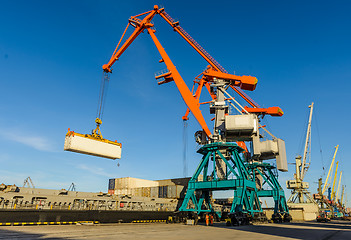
<point>296,230</point>
<point>339,225</point>
<point>13,234</point>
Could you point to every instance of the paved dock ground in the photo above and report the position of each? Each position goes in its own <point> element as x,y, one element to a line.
<point>304,230</point>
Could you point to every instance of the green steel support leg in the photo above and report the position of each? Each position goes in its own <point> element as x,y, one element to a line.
<point>238,179</point>
<point>188,196</point>
<point>201,166</point>
<point>201,201</point>
<point>277,192</point>
<point>205,172</point>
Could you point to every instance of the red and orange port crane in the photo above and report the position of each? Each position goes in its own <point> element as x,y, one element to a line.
<point>214,70</point>
<point>228,170</point>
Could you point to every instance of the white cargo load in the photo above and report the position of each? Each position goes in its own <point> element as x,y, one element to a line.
<point>80,143</point>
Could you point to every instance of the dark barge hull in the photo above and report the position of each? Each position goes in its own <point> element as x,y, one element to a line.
<point>32,215</point>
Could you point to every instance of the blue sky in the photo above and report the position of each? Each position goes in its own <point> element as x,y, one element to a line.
<point>51,55</point>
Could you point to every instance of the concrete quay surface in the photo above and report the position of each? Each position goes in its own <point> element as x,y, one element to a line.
<point>304,230</point>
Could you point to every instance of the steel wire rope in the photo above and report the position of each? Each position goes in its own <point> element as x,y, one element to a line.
<point>319,141</point>
<point>341,164</point>
<point>103,94</point>
<point>264,121</point>
<point>185,147</point>
<point>303,135</point>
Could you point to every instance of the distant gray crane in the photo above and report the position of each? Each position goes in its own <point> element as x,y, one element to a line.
<point>72,187</point>
<point>299,187</point>
<point>28,182</point>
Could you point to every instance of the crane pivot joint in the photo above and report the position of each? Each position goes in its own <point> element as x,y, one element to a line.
<point>106,68</point>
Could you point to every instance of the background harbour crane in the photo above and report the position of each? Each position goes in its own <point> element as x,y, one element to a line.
<point>300,193</point>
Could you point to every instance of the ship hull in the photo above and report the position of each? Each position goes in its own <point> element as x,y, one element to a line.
<point>33,215</point>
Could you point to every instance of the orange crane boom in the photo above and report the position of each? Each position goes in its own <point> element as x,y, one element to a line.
<point>214,71</point>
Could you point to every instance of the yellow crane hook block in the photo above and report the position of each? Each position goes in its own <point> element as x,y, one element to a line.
<point>88,144</point>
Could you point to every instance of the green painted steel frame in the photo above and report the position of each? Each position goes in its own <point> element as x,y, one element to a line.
<point>276,192</point>
<point>244,186</point>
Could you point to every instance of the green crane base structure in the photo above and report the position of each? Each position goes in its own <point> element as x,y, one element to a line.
<point>222,169</point>
<point>270,187</point>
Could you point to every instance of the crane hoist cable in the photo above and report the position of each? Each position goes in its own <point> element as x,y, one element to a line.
<point>303,134</point>
<point>319,141</point>
<point>103,92</point>
<point>185,147</point>
<point>101,103</point>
